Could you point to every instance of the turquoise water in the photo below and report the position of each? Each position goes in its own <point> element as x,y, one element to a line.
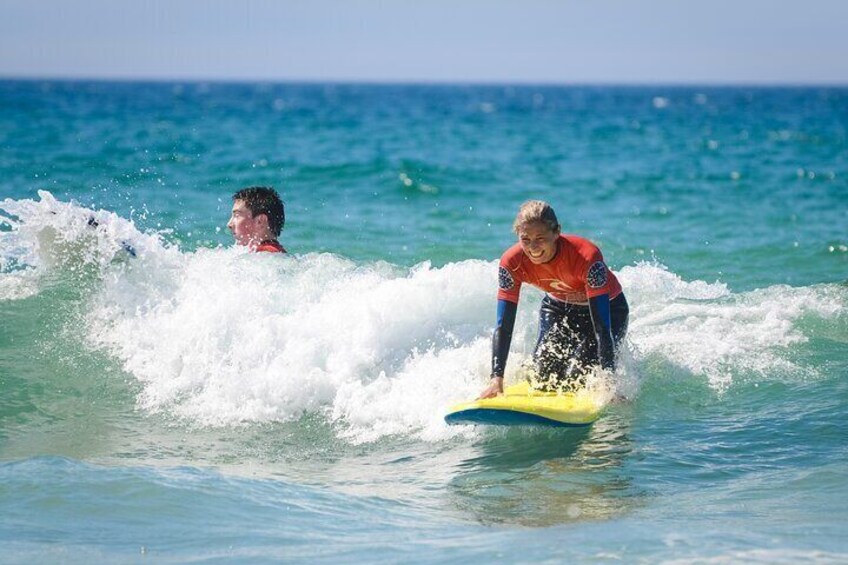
<point>196,403</point>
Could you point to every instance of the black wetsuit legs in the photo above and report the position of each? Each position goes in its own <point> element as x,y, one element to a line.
<point>567,347</point>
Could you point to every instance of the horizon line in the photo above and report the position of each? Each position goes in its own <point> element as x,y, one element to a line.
<point>423,82</point>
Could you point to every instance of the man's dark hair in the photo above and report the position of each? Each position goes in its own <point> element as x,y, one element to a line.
<point>264,200</point>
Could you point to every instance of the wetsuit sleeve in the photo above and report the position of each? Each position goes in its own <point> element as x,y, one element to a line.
<point>599,308</point>
<point>503,336</point>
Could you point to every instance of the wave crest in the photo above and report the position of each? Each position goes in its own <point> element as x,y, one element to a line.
<point>223,337</point>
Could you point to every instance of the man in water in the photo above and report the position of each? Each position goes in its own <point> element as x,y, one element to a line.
<point>257,219</point>
<point>584,313</point>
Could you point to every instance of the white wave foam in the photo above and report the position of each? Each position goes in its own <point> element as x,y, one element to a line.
<point>221,337</point>
<point>229,337</point>
<point>711,332</point>
<point>48,235</point>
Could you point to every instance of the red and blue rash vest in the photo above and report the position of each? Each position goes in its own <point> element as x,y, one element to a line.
<point>271,246</point>
<point>575,274</point>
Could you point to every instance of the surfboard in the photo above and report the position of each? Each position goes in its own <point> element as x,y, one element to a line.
<point>521,405</point>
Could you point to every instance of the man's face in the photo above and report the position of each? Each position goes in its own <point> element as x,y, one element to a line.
<point>246,229</point>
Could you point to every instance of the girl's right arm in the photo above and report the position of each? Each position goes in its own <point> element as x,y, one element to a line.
<point>500,346</point>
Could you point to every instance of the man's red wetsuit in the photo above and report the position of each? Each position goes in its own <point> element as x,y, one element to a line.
<point>271,246</point>
<point>582,318</point>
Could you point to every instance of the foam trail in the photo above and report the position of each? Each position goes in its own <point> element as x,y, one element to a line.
<point>20,284</point>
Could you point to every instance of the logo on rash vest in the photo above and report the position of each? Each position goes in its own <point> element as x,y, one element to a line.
<point>559,285</point>
<point>505,280</point>
<point>597,277</point>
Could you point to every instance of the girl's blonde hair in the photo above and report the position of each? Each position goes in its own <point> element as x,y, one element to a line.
<point>535,211</point>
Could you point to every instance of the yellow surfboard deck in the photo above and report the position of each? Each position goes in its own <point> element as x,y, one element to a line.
<point>521,405</point>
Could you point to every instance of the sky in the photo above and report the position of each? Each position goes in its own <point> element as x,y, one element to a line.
<point>493,41</point>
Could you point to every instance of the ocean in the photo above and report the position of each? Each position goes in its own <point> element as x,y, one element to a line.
<point>168,397</point>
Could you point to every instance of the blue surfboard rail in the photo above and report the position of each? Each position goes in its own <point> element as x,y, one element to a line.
<point>494,417</point>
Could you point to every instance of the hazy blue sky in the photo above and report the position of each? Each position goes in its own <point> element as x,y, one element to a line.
<point>670,41</point>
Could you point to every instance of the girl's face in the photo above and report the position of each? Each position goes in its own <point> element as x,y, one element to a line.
<point>538,241</point>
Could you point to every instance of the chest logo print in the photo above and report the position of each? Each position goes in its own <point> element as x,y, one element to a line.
<point>559,285</point>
